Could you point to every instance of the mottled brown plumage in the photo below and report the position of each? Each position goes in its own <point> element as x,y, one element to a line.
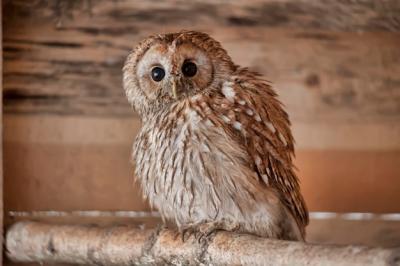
<point>215,150</point>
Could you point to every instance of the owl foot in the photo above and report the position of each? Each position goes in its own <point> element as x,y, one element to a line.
<point>187,231</point>
<point>203,231</point>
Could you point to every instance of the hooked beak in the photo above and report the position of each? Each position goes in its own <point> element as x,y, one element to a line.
<point>174,92</point>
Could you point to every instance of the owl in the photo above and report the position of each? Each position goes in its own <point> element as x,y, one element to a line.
<point>215,148</point>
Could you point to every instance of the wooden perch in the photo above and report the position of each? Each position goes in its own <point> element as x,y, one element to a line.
<point>124,245</point>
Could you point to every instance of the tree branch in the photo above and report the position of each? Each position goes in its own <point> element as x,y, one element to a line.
<point>125,245</point>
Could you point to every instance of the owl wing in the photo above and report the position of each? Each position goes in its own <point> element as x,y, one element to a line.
<point>256,117</point>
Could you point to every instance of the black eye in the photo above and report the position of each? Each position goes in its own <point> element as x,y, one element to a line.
<point>189,69</point>
<point>157,74</point>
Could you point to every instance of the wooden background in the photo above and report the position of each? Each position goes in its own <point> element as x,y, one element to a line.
<point>68,128</point>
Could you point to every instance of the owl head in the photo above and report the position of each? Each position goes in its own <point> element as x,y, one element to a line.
<point>168,68</point>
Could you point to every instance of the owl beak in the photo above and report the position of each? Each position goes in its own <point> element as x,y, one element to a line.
<point>174,92</point>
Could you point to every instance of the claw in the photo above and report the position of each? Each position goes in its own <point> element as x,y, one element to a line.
<point>202,238</point>
<point>206,230</point>
<point>203,231</point>
<point>186,232</point>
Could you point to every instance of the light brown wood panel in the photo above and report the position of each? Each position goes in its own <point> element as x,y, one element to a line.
<point>69,177</point>
<point>350,180</point>
<point>49,129</point>
<point>74,163</point>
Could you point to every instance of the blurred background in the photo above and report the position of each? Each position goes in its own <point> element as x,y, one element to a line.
<point>68,128</point>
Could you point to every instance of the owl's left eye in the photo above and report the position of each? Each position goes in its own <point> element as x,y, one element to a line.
<point>157,74</point>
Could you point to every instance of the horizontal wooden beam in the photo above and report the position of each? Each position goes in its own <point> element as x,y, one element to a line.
<point>75,129</point>
<point>66,59</point>
<point>123,245</point>
<point>366,15</point>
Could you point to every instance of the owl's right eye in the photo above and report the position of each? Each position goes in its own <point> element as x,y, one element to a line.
<point>157,74</point>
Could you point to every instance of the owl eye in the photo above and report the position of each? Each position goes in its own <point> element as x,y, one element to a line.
<point>157,74</point>
<point>189,69</point>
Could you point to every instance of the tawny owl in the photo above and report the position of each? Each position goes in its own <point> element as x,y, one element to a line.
<point>215,148</point>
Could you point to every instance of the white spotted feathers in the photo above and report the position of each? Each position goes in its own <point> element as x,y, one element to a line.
<point>229,93</point>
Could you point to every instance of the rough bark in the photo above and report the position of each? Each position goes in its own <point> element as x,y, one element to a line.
<point>123,245</point>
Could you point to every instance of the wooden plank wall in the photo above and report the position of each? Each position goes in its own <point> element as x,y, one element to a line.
<point>68,128</point>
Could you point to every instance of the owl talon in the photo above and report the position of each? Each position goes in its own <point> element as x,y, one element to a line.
<point>204,236</point>
<point>203,231</point>
<point>187,231</point>
<point>206,230</point>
